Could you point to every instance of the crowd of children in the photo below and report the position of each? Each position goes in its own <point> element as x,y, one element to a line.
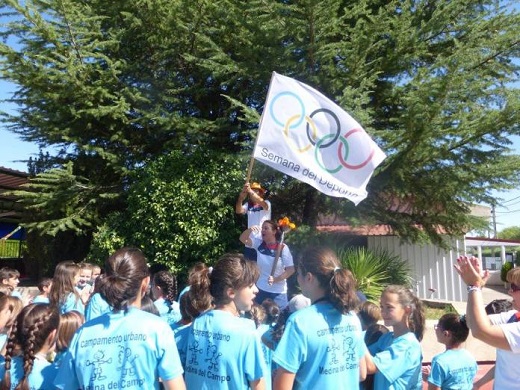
<point>126,328</point>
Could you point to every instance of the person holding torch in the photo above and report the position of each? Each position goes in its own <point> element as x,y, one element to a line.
<point>273,257</point>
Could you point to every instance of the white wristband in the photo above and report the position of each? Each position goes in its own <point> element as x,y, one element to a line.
<point>473,288</point>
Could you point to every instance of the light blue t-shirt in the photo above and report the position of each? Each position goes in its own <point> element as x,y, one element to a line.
<point>96,307</point>
<point>182,333</point>
<point>41,376</point>
<point>224,352</point>
<point>268,355</point>
<point>72,302</point>
<point>398,362</point>
<point>322,347</point>
<point>129,350</point>
<point>170,313</point>
<point>40,299</point>
<point>453,369</point>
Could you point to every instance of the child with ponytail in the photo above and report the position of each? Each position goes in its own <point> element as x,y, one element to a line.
<point>396,357</point>
<point>34,334</point>
<point>322,345</point>
<point>223,349</point>
<point>127,347</point>
<point>454,368</point>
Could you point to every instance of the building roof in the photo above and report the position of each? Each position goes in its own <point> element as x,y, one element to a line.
<point>490,242</point>
<point>10,179</point>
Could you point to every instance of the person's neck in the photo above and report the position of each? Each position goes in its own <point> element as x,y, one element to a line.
<point>400,329</point>
<point>270,241</point>
<point>229,308</point>
<point>453,346</point>
<point>316,295</point>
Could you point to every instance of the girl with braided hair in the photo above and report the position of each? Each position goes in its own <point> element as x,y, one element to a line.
<point>164,291</point>
<point>34,334</point>
<point>126,347</point>
<point>396,357</point>
<point>322,345</point>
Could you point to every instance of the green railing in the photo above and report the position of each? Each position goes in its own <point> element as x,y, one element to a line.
<point>11,249</point>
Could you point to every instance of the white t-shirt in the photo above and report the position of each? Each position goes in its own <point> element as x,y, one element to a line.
<point>265,259</point>
<point>257,215</point>
<point>507,370</point>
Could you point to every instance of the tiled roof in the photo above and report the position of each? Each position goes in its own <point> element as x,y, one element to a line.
<point>365,230</point>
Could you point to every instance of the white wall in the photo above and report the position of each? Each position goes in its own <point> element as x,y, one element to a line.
<point>431,266</point>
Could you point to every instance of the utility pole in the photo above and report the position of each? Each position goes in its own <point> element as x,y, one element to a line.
<point>494,218</point>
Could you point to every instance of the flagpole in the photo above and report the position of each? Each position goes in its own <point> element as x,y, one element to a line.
<point>252,160</point>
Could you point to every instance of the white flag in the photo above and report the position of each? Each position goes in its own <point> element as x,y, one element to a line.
<point>307,136</point>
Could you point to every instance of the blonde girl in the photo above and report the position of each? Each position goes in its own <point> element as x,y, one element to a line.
<point>13,308</point>
<point>32,338</point>
<point>8,312</point>
<point>396,357</point>
<point>64,294</point>
<point>70,322</point>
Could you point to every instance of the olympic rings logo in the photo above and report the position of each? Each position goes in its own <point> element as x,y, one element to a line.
<point>327,118</point>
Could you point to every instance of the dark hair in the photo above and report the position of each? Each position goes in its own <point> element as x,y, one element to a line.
<point>275,227</point>
<point>407,299</point>
<point>63,282</point>
<point>339,283</point>
<point>198,295</point>
<point>272,311</point>
<point>369,313</point>
<point>256,314</point>
<point>209,287</point>
<point>31,329</point>
<point>188,311</point>
<point>455,324</point>
<point>8,273</point>
<point>124,274</point>
<point>374,332</point>
<point>279,326</point>
<point>231,271</point>
<point>44,282</point>
<point>498,306</point>
<point>148,305</point>
<point>167,282</point>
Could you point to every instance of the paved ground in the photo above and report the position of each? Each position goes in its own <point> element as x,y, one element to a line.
<point>481,351</point>
<point>484,354</point>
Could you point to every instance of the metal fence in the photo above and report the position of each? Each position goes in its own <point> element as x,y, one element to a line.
<point>11,249</point>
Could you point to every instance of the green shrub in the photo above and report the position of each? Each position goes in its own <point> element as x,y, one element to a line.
<point>374,270</point>
<point>506,267</point>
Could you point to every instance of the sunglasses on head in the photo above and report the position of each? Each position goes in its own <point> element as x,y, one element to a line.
<point>514,287</point>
